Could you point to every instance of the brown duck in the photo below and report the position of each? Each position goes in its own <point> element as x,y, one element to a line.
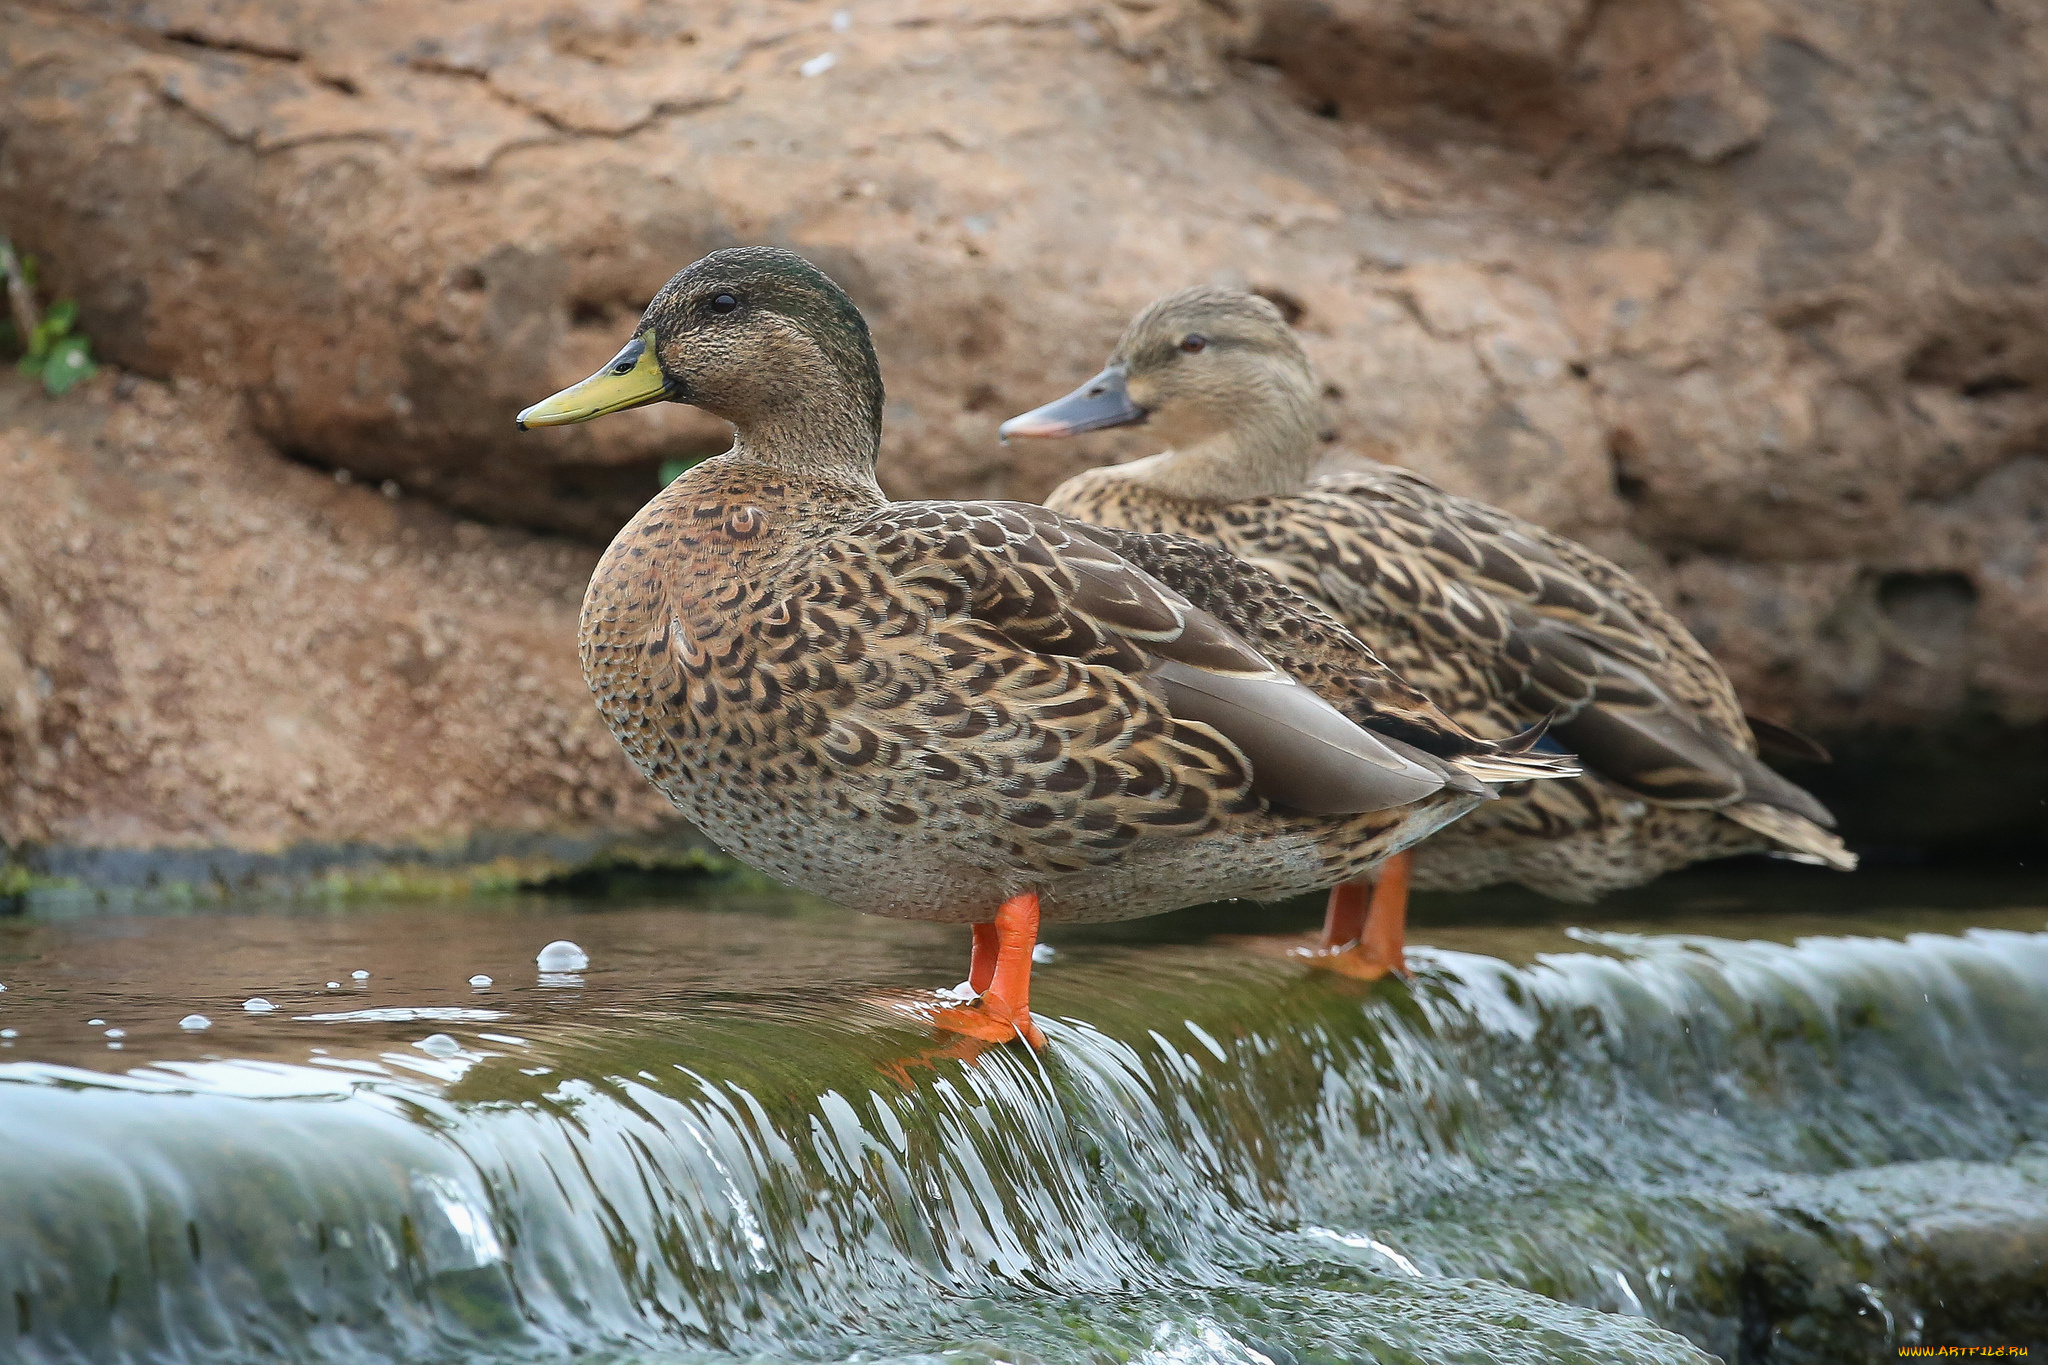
<point>976,712</point>
<point>1496,620</point>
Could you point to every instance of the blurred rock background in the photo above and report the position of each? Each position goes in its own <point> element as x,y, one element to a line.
<point>1752,295</point>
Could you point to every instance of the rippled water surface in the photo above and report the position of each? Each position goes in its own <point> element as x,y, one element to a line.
<point>1780,1118</point>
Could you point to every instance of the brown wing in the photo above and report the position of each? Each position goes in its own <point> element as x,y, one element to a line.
<point>1299,634</point>
<point>1514,625</point>
<point>1579,589</point>
<point>1034,614</point>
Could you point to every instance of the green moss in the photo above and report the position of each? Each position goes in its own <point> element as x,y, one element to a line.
<point>19,888</point>
<point>633,873</point>
<point>488,867</point>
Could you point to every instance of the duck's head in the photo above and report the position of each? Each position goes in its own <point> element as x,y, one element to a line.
<point>760,337</point>
<point>1218,377</point>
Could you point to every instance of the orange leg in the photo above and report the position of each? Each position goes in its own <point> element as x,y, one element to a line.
<point>1001,971</point>
<point>1386,919</point>
<point>1345,919</point>
<point>981,968</point>
<point>1379,926</point>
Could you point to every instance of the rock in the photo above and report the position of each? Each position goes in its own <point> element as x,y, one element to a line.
<point>1854,1264</point>
<point>1750,294</point>
<point>204,645</point>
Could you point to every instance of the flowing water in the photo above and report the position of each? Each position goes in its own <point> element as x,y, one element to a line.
<point>1720,1116</point>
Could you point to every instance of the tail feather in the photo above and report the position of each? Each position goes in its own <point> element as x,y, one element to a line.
<point>1782,741</point>
<point>1797,838</point>
<point>1530,755</point>
<point>1506,766</point>
<point>1489,766</point>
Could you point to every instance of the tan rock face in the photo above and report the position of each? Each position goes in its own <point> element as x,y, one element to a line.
<point>201,645</point>
<point>1750,294</point>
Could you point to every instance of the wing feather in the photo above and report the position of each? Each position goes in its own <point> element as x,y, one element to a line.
<point>1136,660</point>
<point>1520,625</point>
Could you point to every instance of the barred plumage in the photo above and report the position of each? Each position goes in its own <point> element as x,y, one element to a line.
<point>933,710</point>
<point>1499,622</point>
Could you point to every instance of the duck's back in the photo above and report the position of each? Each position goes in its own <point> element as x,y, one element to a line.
<point>1504,624</point>
<point>1464,576</point>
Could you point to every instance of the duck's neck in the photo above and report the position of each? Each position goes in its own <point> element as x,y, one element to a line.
<point>1267,452</point>
<point>829,427</point>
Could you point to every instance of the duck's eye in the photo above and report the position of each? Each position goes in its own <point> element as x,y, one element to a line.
<point>1193,342</point>
<point>724,303</point>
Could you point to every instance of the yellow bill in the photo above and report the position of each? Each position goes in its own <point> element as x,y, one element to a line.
<point>633,379</point>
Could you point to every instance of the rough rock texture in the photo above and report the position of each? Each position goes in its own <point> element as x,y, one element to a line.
<point>201,645</point>
<point>1751,294</point>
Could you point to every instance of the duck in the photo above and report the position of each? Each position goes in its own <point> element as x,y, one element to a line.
<point>981,713</point>
<point>1501,623</point>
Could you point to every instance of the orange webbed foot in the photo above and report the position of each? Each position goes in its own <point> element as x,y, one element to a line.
<point>1357,962</point>
<point>993,1005</point>
<point>990,1019</point>
<point>969,1028</point>
<point>1366,926</point>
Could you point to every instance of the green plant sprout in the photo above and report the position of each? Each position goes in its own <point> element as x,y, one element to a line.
<point>671,470</point>
<point>49,349</point>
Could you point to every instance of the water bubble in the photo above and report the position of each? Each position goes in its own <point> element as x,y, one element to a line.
<point>438,1045</point>
<point>95,1023</point>
<point>562,956</point>
<point>1044,952</point>
<point>479,981</point>
<point>10,1033</point>
<point>117,1033</point>
<point>359,976</point>
<point>819,65</point>
<point>842,20</point>
<point>258,1005</point>
<point>194,1022</point>
<point>334,985</point>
